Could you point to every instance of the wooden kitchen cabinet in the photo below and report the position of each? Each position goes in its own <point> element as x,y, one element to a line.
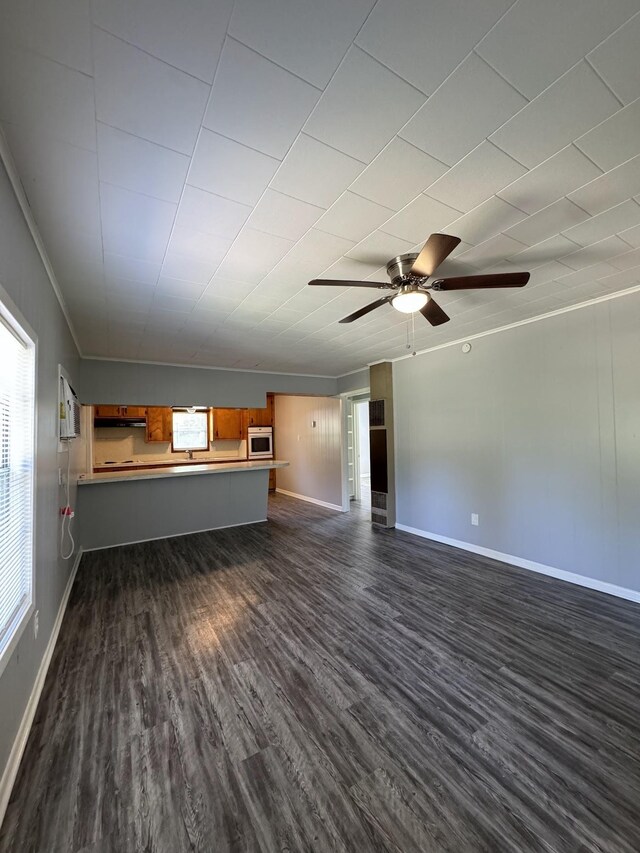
<point>227,424</point>
<point>120,411</point>
<point>159,424</point>
<point>261,417</point>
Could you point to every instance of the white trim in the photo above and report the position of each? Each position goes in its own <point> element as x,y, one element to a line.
<point>309,500</point>
<point>17,750</point>
<point>522,563</point>
<point>175,535</point>
<point>14,178</point>
<point>211,367</point>
<point>589,302</point>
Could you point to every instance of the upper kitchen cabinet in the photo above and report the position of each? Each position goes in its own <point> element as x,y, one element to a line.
<point>261,417</point>
<point>159,424</point>
<point>227,424</point>
<point>120,411</point>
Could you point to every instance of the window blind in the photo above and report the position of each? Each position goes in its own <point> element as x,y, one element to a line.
<point>17,403</point>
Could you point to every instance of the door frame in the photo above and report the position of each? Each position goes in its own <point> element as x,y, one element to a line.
<point>348,399</point>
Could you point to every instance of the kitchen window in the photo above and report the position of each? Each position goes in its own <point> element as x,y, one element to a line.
<point>190,429</point>
<point>17,465</point>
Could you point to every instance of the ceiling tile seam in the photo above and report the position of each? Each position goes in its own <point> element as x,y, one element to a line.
<point>140,193</point>
<point>152,55</point>
<point>603,81</point>
<point>420,91</point>
<point>52,60</point>
<point>576,141</point>
<point>501,75</point>
<point>229,37</point>
<point>605,297</point>
<point>9,164</point>
<point>142,138</point>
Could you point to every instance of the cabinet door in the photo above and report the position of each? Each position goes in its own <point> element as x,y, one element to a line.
<point>108,411</point>
<point>133,411</point>
<point>259,417</point>
<point>159,424</point>
<point>227,424</point>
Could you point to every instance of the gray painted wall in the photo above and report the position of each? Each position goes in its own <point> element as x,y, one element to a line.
<point>314,452</point>
<point>353,381</point>
<point>537,430</point>
<point>159,385</point>
<point>23,276</point>
<point>137,510</point>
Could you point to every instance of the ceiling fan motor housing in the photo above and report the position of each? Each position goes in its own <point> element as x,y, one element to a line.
<point>399,268</point>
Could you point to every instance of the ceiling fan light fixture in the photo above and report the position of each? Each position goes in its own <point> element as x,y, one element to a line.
<point>409,301</point>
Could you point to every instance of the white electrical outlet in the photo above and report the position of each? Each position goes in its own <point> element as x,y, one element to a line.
<point>36,624</point>
<point>474,519</point>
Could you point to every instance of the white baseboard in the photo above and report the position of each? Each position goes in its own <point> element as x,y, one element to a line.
<point>541,568</point>
<point>337,507</point>
<point>174,535</point>
<point>17,750</point>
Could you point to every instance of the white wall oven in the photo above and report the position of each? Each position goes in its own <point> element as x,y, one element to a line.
<point>260,443</point>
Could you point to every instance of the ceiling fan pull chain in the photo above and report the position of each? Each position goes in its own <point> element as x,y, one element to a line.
<point>413,334</point>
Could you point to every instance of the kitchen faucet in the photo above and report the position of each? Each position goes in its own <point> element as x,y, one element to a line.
<point>189,454</point>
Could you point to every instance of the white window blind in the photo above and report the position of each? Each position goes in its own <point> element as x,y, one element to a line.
<point>17,385</point>
<point>190,431</point>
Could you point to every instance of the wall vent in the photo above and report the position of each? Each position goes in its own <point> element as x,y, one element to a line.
<point>378,500</point>
<point>376,413</point>
<point>377,518</point>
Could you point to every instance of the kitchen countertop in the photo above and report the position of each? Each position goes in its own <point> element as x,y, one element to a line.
<point>188,469</point>
<point>99,467</point>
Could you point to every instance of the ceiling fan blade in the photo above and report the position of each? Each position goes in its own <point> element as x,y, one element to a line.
<point>362,311</point>
<point>435,250</point>
<point>470,282</point>
<point>344,283</point>
<point>434,313</point>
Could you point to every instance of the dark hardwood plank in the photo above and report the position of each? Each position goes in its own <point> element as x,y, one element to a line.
<point>314,684</point>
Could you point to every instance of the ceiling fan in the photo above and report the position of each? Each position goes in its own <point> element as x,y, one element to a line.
<point>409,275</point>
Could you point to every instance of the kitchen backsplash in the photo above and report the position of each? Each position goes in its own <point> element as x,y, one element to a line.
<point>118,444</point>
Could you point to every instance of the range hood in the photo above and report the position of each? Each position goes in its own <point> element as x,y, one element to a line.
<point>119,422</point>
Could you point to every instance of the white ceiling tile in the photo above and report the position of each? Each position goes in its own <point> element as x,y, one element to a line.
<point>631,236</point>
<point>551,180</point>
<point>320,249</point>
<point>626,260</point>
<point>621,280</point>
<point>491,252</point>
<point>419,219</point>
<point>347,268</point>
<point>199,245</point>
<point>472,103</point>
<point>561,32</point>
<point>611,221</point>
<point>187,268</point>
<point>559,216</point>
<point>308,38</point>
<point>191,41</point>
<point>423,43</point>
<point>573,104</point>
<point>248,92</point>
<point>592,273</point>
<point>57,29</point>
<point>348,115</point>
<point>203,211</point>
<point>476,177</point>
<point>230,169</point>
<point>330,175</point>
<point>253,255</point>
<point>179,287</point>
<point>595,253</point>
<point>135,224</point>
<point>379,247</point>
<point>353,217</point>
<point>486,220</point>
<point>543,252</point>
<point>144,96</point>
<point>119,267</point>
<point>616,60</point>
<point>615,140</point>
<point>284,216</point>
<point>547,272</point>
<point>47,97</point>
<point>60,180</point>
<point>135,164</point>
<point>609,189</point>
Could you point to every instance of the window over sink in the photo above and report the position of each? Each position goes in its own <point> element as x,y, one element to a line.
<point>190,429</point>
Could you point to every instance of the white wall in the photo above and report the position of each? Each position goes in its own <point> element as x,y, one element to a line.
<point>537,430</point>
<point>314,452</point>
<point>23,276</point>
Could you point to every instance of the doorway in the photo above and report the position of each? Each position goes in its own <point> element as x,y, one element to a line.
<point>362,468</point>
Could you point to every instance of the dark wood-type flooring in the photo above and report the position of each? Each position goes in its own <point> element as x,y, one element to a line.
<point>312,684</point>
